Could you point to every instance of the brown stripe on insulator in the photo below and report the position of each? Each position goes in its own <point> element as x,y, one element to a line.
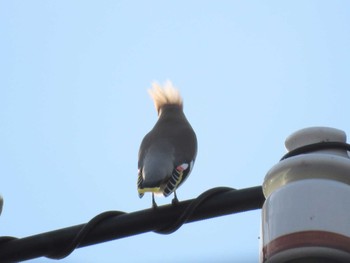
<point>307,239</point>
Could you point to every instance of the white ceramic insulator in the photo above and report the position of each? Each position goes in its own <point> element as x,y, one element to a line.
<point>306,214</point>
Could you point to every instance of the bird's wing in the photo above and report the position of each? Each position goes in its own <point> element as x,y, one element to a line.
<point>178,176</point>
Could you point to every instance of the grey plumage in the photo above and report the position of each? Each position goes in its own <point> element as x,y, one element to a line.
<point>167,153</point>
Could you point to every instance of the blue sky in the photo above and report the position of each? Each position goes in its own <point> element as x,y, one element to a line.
<point>74,108</point>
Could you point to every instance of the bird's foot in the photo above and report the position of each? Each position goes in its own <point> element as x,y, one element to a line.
<point>154,204</point>
<point>175,201</point>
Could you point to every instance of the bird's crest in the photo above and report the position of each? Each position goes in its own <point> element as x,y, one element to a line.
<point>163,95</point>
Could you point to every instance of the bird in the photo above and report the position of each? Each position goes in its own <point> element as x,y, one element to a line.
<point>167,153</point>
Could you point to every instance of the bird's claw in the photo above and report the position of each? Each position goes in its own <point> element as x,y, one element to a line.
<point>175,201</point>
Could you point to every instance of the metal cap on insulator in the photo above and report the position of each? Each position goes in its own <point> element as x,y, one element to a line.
<point>306,215</point>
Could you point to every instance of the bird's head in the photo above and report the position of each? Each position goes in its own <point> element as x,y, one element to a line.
<point>165,95</point>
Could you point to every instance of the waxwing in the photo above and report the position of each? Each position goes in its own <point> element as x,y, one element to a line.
<point>168,152</point>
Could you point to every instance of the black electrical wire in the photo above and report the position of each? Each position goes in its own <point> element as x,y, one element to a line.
<point>5,239</point>
<point>85,230</point>
<point>88,227</point>
<point>191,208</point>
<point>316,147</point>
<point>112,225</point>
